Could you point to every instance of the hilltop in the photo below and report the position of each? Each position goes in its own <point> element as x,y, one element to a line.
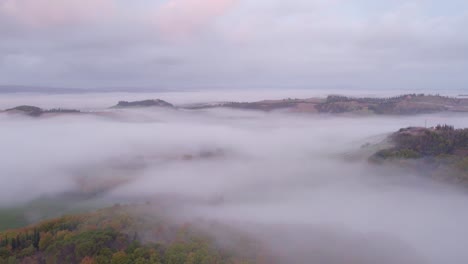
<point>440,151</point>
<point>418,142</point>
<point>143,103</point>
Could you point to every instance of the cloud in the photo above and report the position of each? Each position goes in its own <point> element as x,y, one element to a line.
<point>39,14</point>
<point>178,18</point>
<point>234,43</point>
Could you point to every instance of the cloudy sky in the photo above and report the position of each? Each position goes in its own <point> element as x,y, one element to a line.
<point>235,43</point>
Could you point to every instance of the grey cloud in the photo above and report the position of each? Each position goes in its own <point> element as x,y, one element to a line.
<point>252,44</point>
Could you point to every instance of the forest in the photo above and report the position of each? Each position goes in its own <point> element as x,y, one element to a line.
<point>118,235</point>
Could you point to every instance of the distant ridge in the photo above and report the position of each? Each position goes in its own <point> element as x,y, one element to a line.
<point>407,104</point>
<point>35,111</point>
<point>144,103</point>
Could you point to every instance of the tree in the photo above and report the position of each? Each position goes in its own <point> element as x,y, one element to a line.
<point>88,260</point>
<point>36,238</point>
<point>29,251</point>
<point>141,261</point>
<point>4,253</point>
<point>4,242</point>
<point>46,240</point>
<point>18,242</point>
<point>13,243</point>
<point>84,249</point>
<point>177,254</point>
<point>120,258</point>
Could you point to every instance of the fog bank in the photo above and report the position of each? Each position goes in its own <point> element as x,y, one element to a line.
<point>284,178</point>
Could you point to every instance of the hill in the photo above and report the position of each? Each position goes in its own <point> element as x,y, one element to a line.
<point>34,111</point>
<point>400,105</point>
<point>143,103</point>
<point>123,234</point>
<point>441,151</point>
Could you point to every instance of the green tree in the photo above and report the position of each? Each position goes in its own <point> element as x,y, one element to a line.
<point>46,240</point>
<point>85,249</point>
<point>29,251</point>
<point>176,254</point>
<point>4,253</point>
<point>36,238</point>
<point>120,258</point>
<point>141,261</point>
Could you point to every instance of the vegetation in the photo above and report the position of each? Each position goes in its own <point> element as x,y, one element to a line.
<point>36,111</point>
<point>28,110</point>
<point>143,103</point>
<point>440,140</point>
<point>117,235</point>
<point>62,110</point>
<point>398,105</point>
<point>443,150</point>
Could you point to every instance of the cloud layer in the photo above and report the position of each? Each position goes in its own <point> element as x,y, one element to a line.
<point>234,43</point>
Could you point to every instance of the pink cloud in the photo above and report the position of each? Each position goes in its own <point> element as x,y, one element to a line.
<point>178,18</point>
<point>50,13</point>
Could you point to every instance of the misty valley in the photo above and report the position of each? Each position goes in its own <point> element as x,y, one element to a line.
<point>194,178</point>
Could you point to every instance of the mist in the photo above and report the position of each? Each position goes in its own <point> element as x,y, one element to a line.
<point>283,178</point>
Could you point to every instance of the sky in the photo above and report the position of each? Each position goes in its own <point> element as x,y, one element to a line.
<point>240,44</point>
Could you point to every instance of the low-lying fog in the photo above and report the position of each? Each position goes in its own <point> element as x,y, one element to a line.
<point>285,178</point>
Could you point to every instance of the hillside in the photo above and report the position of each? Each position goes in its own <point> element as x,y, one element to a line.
<point>441,151</point>
<point>124,234</point>
<point>400,105</point>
